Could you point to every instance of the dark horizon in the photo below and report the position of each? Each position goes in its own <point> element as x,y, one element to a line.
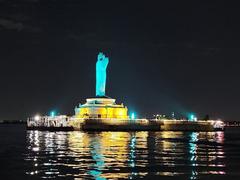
<point>164,57</point>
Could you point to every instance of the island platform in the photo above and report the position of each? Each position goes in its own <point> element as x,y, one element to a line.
<point>58,123</point>
<point>102,113</point>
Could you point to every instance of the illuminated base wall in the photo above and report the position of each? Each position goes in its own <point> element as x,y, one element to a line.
<point>101,108</point>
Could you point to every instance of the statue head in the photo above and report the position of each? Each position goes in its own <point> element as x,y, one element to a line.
<point>102,60</point>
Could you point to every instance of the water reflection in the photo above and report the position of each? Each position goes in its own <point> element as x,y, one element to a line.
<point>193,153</point>
<point>127,155</point>
<point>97,156</point>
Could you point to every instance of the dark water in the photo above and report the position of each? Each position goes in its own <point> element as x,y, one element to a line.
<point>118,155</point>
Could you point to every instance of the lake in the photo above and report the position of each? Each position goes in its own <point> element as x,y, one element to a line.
<point>118,155</point>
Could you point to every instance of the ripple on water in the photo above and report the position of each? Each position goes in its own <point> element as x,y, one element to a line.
<point>103,155</point>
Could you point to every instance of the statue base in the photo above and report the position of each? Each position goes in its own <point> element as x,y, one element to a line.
<point>101,108</point>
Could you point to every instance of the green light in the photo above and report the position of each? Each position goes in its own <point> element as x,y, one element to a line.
<point>192,117</point>
<point>133,116</point>
<point>53,113</point>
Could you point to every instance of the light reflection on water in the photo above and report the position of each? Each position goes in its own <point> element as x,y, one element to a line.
<point>104,155</point>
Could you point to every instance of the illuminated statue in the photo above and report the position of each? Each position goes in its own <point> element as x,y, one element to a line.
<point>101,107</point>
<point>101,75</point>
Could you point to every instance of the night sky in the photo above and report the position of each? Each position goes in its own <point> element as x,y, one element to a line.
<point>173,56</point>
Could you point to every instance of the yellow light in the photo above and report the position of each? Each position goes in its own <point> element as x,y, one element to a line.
<point>104,112</point>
